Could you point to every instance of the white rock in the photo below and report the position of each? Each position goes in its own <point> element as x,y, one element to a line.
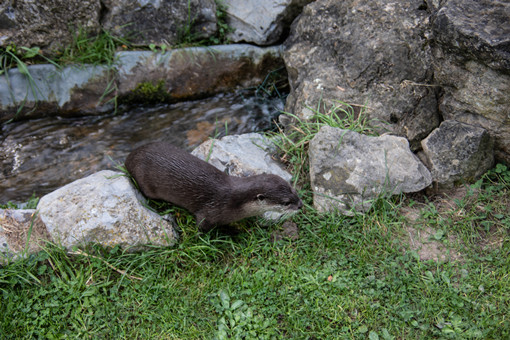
<point>103,208</point>
<point>242,155</point>
<point>261,22</point>
<point>349,170</point>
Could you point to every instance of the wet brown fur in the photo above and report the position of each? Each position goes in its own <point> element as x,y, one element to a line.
<point>165,172</point>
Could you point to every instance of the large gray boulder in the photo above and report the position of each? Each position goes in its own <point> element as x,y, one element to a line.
<point>472,63</point>
<point>475,30</point>
<point>46,23</point>
<point>261,22</point>
<point>103,208</point>
<point>349,170</point>
<point>371,54</point>
<point>458,152</point>
<point>160,21</point>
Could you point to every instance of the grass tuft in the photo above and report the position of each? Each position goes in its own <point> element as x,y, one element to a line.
<point>294,143</point>
<point>92,49</point>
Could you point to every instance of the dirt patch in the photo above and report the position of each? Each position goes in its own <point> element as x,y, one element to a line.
<point>428,248</point>
<point>289,230</point>
<point>426,241</point>
<point>16,226</point>
<point>478,209</point>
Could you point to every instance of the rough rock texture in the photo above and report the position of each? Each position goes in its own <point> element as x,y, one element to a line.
<point>365,53</point>
<point>15,228</point>
<point>458,151</point>
<point>49,23</point>
<point>160,21</point>
<point>46,23</point>
<point>103,208</point>
<point>67,91</point>
<point>261,22</point>
<point>348,170</point>
<point>243,155</point>
<point>472,63</point>
<point>475,30</point>
<point>198,71</point>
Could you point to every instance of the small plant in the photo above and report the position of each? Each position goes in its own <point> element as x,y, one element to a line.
<point>499,176</point>
<point>150,93</point>
<point>158,48</point>
<point>187,38</point>
<point>92,49</point>
<point>19,57</point>
<point>274,85</point>
<point>223,28</point>
<point>31,203</point>
<point>237,320</point>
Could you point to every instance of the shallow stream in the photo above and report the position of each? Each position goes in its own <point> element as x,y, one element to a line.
<point>39,156</point>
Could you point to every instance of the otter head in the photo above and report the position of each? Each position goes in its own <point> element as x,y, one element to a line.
<point>273,197</point>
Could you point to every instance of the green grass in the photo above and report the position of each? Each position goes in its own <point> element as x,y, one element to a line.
<point>31,203</point>
<point>91,49</point>
<point>344,277</point>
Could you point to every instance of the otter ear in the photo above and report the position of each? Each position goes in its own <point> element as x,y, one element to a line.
<point>261,197</point>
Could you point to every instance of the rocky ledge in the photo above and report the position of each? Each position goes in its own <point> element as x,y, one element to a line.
<point>176,75</point>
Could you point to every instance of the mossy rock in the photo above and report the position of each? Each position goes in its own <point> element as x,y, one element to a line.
<point>149,92</point>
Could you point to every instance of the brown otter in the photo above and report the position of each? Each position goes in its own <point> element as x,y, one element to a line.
<point>165,172</point>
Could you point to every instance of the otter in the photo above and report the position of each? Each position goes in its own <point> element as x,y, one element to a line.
<point>163,171</point>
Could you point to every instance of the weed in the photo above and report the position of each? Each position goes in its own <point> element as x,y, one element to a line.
<point>13,56</point>
<point>274,84</point>
<point>158,48</point>
<point>223,28</point>
<point>92,49</point>
<point>186,38</point>
<point>31,203</point>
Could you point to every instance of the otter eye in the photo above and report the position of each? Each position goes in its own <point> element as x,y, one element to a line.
<point>261,197</point>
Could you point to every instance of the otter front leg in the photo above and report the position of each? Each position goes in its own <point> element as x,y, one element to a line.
<point>203,224</point>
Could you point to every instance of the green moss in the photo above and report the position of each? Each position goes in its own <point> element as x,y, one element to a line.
<point>149,92</point>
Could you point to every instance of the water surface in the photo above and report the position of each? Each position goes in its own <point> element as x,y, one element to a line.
<point>39,156</point>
